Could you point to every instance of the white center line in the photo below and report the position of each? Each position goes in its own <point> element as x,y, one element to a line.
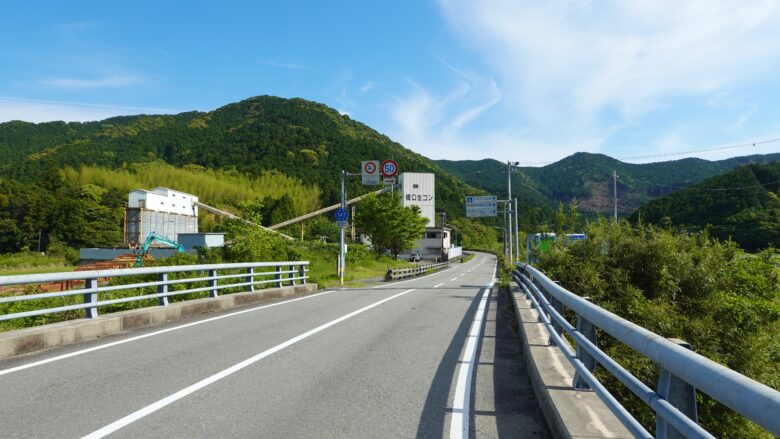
<point>139,414</point>
<point>437,286</point>
<point>459,423</point>
<point>152,334</point>
<point>454,278</point>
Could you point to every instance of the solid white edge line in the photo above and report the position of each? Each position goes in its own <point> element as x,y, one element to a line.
<point>461,403</point>
<point>152,334</point>
<point>151,408</point>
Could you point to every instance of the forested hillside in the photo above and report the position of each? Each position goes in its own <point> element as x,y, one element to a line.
<point>267,156</point>
<point>587,178</point>
<point>742,205</point>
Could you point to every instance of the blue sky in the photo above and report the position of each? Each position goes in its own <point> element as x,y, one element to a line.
<point>460,79</point>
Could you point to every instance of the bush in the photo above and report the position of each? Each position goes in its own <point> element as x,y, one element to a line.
<point>724,302</point>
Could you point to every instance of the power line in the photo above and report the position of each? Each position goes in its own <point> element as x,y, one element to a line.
<point>720,148</point>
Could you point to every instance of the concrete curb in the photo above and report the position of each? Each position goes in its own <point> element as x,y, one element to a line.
<point>28,340</point>
<point>569,413</point>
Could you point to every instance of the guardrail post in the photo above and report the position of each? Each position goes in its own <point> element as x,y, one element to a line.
<point>250,278</point>
<point>92,297</point>
<point>588,330</point>
<point>680,394</point>
<point>213,283</point>
<point>292,274</point>
<point>279,276</point>
<point>302,273</point>
<point>162,288</point>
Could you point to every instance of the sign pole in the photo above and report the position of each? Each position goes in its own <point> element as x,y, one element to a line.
<point>342,259</point>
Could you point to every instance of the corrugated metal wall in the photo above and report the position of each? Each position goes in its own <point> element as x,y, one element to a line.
<point>139,223</point>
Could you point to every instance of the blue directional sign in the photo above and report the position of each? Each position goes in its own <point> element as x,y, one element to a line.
<point>342,214</point>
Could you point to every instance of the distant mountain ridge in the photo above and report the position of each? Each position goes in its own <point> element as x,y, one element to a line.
<point>587,178</point>
<point>743,205</point>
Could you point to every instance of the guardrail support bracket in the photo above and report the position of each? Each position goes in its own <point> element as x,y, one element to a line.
<point>163,288</point>
<point>588,330</point>
<point>92,297</point>
<point>213,283</point>
<point>250,278</point>
<point>680,394</point>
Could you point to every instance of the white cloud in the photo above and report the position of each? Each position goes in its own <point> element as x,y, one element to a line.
<point>45,111</point>
<point>577,71</point>
<point>368,86</point>
<point>77,83</point>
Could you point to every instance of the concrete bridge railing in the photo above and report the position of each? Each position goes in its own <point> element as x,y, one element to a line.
<point>683,372</point>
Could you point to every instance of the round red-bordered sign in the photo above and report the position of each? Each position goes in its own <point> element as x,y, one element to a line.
<point>369,168</point>
<point>389,168</point>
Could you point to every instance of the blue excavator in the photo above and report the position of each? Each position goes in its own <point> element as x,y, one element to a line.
<point>151,239</point>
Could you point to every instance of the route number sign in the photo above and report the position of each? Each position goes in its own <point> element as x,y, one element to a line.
<point>342,215</point>
<point>480,206</point>
<point>369,173</point>
<point>389,168</point>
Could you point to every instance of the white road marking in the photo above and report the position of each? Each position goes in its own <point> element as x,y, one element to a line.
<point>437,286</point>
<point>454,278</point>
<point>461,404</point>
<point>139,414</point>
<point>151,334</point>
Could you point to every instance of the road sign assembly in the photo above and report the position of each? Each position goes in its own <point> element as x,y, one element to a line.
<point>480,206</point>
<point>342,215</point>
<point>389,168</point>
<point>369,173</point>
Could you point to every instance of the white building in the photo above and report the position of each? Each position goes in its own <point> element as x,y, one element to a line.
<point>162,199</point>
<point>419,189</point>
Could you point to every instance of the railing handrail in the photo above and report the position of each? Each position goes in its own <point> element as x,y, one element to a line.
<point>754,400</point>
<point>118,272</point>
<point>290,272</point>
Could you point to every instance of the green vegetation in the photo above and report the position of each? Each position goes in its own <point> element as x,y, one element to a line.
<point>392,227</point>
<point>32,262</point>
<point>587,178</point>
<point>726,303</point>
<point>742,205</point>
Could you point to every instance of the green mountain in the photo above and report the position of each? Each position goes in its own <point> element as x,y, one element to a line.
<point>742,205</point>
<point>587,178</point>
<point>263,145</point>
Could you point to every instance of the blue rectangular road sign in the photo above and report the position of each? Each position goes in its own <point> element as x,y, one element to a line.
<point>481,206</point>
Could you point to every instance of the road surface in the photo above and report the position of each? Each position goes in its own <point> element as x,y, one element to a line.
<point>428,357</point>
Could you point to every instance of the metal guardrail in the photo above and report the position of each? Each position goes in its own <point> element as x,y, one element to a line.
<point>252,274</point>
<point>682,371</point>
<point>401,273</point>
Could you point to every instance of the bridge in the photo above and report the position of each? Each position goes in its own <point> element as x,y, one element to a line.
<point>433,356</point>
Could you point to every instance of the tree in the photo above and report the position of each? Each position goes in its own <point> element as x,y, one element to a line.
<point>391,226</point>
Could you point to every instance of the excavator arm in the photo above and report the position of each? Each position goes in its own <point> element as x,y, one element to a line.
<point>151,239</point>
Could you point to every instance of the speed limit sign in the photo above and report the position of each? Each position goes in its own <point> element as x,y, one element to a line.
<point>389,168</point>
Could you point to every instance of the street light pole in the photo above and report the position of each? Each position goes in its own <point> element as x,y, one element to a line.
<point>517,233</point>
<point>509,209</point>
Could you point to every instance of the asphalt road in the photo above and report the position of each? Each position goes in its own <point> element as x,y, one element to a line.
<point>429,357</point>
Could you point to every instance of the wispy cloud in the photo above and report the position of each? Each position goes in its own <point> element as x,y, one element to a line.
<point>283,65</point>
<point>91,83</point>
<point>435,123</point>
<point>30,110</point>
<point>578,71</point>
<point>368,86</point>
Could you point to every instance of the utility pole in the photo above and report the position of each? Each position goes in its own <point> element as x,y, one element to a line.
<point>509,209</point>
<point>443,216</point>
<point>517,233</point>
<point>342,259</point>
<point>614,186</point>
